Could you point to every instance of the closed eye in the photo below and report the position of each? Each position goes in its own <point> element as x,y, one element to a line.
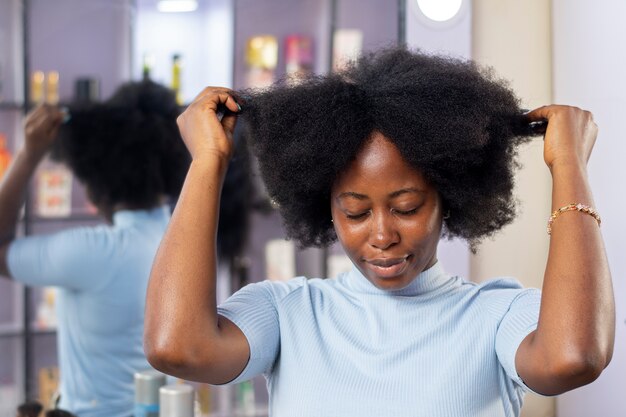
<point>406,212</point>
<point>357,216</point>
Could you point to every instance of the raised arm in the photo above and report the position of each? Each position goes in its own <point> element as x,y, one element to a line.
<point>574,339</point>
<point>41,128</point>
<point>183,334</point>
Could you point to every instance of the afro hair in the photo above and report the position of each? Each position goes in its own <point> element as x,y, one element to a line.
<point>236,200</point>
<point>127,149</point>
<point>451,119</point>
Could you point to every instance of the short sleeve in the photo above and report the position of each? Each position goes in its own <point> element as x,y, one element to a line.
<point>254,309</point>
<point>518,322</point>
<point>64,259</point>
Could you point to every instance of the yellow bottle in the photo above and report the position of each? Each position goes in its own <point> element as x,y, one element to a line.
<point>176,74</point>
<point>37,87</point>
<point>52,88</point>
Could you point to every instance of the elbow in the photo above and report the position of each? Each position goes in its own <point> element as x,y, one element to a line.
<point>179,355</point>
<point>159,354</point>
<point>164,351</point>
<point>575,371</point>
<point>169,358</point>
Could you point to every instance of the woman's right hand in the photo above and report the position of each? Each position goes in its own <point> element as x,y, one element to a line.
<point>41,128</point>
<point>202,131</point>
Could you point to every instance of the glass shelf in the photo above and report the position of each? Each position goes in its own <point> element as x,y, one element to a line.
<point>43,331</point>
<point>9,106</point>
<point>11,329</point>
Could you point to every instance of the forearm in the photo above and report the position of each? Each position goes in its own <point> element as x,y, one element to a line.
<point>13,192</point>
<point>577,317</point>
<point>181,300</point>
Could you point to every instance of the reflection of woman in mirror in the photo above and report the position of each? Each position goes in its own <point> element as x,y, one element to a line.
<point>385,157</point>
<point>129,155</point>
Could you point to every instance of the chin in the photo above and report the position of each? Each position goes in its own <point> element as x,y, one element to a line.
<point>391,284</point>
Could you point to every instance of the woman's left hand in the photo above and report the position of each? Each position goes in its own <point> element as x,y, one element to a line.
<point>570,135</point>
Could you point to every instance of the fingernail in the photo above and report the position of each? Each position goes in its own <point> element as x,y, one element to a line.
<point>66,115</point>
<point>238,106</point>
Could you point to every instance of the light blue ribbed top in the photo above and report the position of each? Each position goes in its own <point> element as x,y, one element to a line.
<point>102,275</point>
<point>441,347</point>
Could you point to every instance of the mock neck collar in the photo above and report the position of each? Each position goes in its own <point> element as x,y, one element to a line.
<point>122,218</point>
<point>426,282</point>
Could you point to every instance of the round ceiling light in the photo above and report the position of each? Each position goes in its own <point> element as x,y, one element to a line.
<point>439,10</point>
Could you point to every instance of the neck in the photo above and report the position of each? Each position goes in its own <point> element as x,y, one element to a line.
<point>108,212</point>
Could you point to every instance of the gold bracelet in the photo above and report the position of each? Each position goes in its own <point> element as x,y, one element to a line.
<point>573,207</point>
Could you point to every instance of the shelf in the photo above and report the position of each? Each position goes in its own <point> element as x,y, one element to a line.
<point>11,329</point>
<point>10,106</point>
<point>46,331</point>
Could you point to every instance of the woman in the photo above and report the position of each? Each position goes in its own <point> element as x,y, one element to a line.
<point>128,154</point>
<point>385,157</point>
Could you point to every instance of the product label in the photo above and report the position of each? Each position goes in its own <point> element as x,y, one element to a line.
<point>146,410</point>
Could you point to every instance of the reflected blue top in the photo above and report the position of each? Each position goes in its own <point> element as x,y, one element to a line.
<point>102,274</point>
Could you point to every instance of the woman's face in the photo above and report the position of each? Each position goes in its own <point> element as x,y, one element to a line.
<point>386,215</point>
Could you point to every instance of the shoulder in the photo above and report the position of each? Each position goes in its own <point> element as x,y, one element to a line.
<point>282,291</point>
<point>499,295</point>
<point>69,240</point>
<point>276,290</point>
<point>63,258</point>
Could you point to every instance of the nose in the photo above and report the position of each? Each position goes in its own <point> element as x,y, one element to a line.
<point>383,232</point>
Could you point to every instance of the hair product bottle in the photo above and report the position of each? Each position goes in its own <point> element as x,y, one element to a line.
<point>176,401</point>
<point>298,56</point>
<point>52,88</point>
<point>177,65</point>
<point>245,399</point>
<point>261,58</point>
<point>147,65</point>
<point>147,385</point>
<point>37,87</point>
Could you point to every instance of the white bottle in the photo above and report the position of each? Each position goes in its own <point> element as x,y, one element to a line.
<point>147,385</point>
<point>176,401</point>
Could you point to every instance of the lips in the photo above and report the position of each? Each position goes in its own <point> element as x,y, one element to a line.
<point>387,267</point>
<point>386,262</point>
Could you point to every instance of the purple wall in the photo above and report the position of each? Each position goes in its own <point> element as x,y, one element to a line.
<point>81,38</point>
<point>378,20</point>
<point>10,51</point>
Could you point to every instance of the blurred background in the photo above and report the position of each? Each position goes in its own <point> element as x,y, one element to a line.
<point>551,51</point>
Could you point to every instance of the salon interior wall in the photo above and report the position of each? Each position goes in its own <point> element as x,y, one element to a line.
<point>589,62</point>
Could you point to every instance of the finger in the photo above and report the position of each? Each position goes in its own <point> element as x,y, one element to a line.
<point>208,103</point>
<point>232,105</point>
<point>229,121</point>
<point>53,114</point>
<point>208,92</point>
<point>35,115</point>
<point>540,113</point>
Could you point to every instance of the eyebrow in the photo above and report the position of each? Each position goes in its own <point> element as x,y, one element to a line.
<point>392,195</point>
